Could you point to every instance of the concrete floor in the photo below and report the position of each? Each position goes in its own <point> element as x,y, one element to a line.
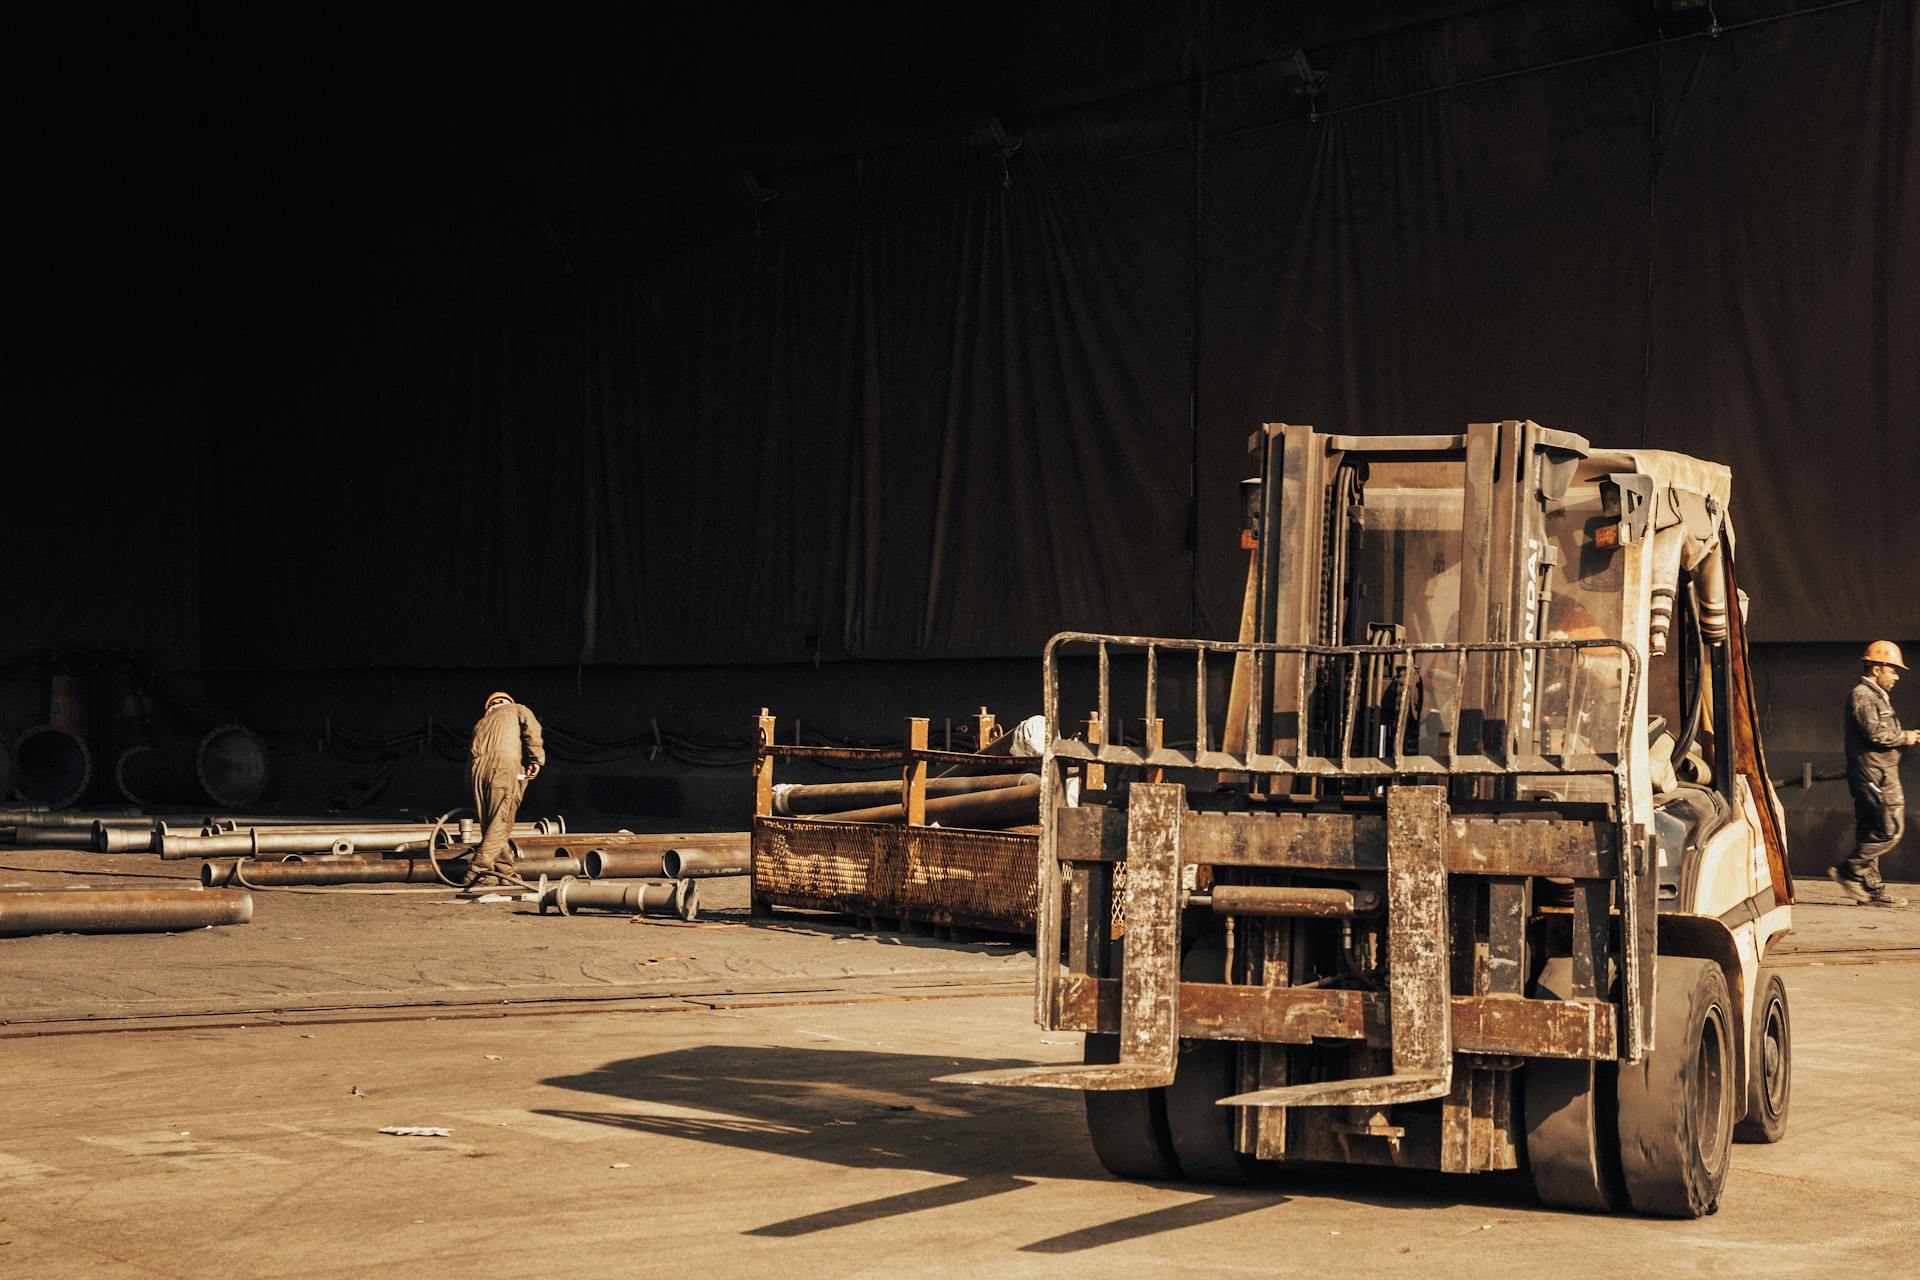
<point>727,1098</point>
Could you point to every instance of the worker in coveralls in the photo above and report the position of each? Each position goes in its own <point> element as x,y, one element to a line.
<point>1874,743</point>
<point>507,754</point>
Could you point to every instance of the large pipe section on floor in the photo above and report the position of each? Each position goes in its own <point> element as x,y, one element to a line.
<point>680,864</point>
<point>227,765</point>
<point>623,864</point>
<point>120,910</point>
<point>984,810</point>
<point>297,871</point>
<point>325,871</point>
<point>795,799</point>
<point>51,765</point>
<point>680,899</point>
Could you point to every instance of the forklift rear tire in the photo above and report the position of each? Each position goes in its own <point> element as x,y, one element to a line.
<point>1128,1126</point>
<point>1572,1152</point>
<point>1770,1075</point>
<point>1676,1105</point>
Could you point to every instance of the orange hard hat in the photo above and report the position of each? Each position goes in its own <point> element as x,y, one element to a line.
<point>1885,651</point>
<point>498,697</point>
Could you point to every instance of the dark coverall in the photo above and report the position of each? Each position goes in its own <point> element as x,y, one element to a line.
<point>1874,739</point>
<point>505,742</point>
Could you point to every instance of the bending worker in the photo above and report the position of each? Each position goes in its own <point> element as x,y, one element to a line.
<point>507,754</point>
<point>1874,743</point>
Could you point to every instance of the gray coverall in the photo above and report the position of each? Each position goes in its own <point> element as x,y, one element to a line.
<point>505,742</point>
<point>1874,739</point>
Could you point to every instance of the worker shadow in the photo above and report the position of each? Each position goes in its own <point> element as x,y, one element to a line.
<point>876,1110</point>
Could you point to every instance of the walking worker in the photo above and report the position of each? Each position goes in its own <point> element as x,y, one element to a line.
<point>1874,743</point>
<point>506,755</point>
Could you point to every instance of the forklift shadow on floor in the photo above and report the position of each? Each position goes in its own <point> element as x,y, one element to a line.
<point>875,1110</point>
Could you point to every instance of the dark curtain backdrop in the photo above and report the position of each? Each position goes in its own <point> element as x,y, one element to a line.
<point>937,404</point>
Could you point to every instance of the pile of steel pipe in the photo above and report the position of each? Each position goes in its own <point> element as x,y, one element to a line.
<point>982,810</point>
<point>51,765</point>
<point>25,911</point>
<point>796,799</point>
<point>228,765</point>
<point>681,864</point>
<point>680,899</point>
<point>577,844</point>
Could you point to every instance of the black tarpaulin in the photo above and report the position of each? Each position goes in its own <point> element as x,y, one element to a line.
<point>940,402</point>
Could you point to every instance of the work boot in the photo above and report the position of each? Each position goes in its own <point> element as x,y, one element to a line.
<point>1855,889</point>
<point>1881,898</point>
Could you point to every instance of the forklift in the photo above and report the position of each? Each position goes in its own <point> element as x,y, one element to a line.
<point>1462,856</point>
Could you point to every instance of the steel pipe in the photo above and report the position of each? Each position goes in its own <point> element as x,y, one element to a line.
<point>256,840</point>
<point>679,864</point>
<point>51,765</point>
<point>793,799</point>
<point>1285,900</point>
<point>64,837</point>
<point>629,864</point>
<point>38,815</point>
<point>108,839</point>
<point>985,810</point>
<point>680,898</point>
<point>552,868</point>
<point>249,844</point>
<point>325,871</point>
<point>25,911</point>
<point>227,765</point>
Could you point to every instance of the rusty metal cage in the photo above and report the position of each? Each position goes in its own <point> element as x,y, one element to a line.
<point>906,871</point>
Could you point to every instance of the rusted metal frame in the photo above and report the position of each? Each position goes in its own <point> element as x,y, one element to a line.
<point>1149,981</point>
<point>1509,906</point>
<point>1202,732</point>
<point>1403,684</point>
<point>1476,569</point>
<point>1153,689</point>
<point>763,766</point>
<point>876,757</point>
<point>1289,616</point>
<point>1352,842</point>
<point>1349,713</point>
<point>1365,767</point>
<point>1149,986</point>
<point>1496,737</point>
<point>1103,703</point>
<point>1417,955</point>
<point>1052,902</point>
<point>1495,1025</point>
<point>913,779</point>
